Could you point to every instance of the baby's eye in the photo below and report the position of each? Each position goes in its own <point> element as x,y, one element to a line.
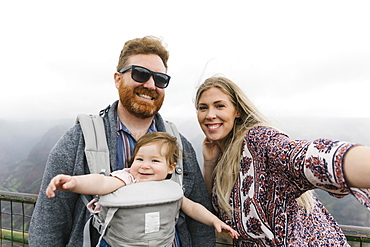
<point>139,159</point>
<point>156,161</point>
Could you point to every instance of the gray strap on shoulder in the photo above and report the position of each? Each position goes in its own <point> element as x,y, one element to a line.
<point>97,155</point>
<point>96,148</point>
<point>171,129</point>
<point>108,218</point>
<point>86,239</point>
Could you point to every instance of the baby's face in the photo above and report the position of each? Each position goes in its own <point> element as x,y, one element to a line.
<point>149,164</point>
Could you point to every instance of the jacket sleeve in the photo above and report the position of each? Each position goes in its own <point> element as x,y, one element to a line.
<point>194,188</point>
<point>54,219</point>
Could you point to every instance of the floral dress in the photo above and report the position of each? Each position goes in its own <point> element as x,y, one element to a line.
<point>274,171</point>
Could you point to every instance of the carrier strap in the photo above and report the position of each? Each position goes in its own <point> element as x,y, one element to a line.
<point>97,156</point>
<point>94,221</point>
<point>87,240</point>
<point>109,217</point>
<point>171,129</point>
<point>96,148</point>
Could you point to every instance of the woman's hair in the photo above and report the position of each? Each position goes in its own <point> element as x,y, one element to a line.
<point>145,45</point>
<point>227,170</point>
<point>167,144</point>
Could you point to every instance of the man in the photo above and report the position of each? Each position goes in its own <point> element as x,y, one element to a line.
<point>140,79</point>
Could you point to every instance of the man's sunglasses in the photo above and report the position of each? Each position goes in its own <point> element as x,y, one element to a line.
<point>141,74</point>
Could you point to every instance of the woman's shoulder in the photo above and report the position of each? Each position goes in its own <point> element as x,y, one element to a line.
<point>264,134</point>
<point>264,131</point>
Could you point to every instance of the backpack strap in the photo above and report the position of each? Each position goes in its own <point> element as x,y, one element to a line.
<point>171,129</point>
<point>98,224</point>
<point>86,239</point>
<point>177,176</point>
<point>96,148</point>
<point>97,156</point>
<point>108,219</point>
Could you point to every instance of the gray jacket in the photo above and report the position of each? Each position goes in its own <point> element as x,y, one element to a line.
<point>60,221</point>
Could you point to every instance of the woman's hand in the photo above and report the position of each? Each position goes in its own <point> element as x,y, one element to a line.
<point>211,154</point>
<point>211,151</point>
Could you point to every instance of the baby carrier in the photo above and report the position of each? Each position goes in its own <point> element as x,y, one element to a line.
<point>140,214</point>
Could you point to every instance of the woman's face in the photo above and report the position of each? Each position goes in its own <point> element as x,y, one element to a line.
<point>216,114</point>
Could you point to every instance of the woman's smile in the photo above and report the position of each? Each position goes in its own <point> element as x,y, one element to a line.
<point>216,114</point>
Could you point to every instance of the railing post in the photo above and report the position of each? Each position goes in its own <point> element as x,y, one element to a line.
<point>16,230</point>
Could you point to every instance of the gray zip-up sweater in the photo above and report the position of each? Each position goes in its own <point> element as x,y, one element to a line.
<point>60,221</point>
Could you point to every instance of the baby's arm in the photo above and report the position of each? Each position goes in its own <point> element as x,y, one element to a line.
<point>91,184</point>
<point>201,214</point>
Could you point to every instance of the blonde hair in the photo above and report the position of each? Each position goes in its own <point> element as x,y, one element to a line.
<point>227,170</point>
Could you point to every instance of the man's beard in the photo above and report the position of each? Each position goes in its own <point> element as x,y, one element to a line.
<point>139,108</point>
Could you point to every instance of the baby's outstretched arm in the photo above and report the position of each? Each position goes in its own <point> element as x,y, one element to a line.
<point>91,184</point>
<point>201,214</point>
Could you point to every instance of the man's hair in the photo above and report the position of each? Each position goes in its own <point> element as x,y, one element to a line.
<point>167,145</point>
<point>145,45</point>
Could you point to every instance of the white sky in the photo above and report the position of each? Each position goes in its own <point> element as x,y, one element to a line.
<point>302,58</point>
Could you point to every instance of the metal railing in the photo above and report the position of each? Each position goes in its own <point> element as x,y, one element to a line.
<point>15,216</point>
<point>357,236</point>
<point>17,208</point>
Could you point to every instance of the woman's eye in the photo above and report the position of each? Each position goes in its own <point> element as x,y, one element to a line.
<point>200,108</point>
<point>220,106</point>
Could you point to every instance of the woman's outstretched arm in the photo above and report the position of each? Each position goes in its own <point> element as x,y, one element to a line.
<point>356,167</point>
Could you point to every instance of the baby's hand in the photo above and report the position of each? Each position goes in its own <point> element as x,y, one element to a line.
<point>60,182</point>
<point>221,226</point>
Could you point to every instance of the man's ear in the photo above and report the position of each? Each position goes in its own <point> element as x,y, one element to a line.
<point>117,79</point>
<point>171,168</point>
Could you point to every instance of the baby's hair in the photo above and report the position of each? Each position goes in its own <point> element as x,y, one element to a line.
<point>164,140</point>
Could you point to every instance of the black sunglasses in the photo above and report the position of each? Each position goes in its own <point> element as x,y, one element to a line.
<point>141,74</point>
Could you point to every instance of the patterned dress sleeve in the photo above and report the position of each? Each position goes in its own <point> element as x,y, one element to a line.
<point>318,164</point>
<point>334,164</point>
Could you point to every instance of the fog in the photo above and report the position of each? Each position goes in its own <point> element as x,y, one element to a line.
<point>292,58</point>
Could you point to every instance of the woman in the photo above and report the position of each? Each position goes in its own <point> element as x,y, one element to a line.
<point>260,179</point>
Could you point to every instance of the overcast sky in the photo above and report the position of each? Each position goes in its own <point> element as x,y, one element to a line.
<point>301,58</point>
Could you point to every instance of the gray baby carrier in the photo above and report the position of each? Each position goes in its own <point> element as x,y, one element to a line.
<point>140,214</point>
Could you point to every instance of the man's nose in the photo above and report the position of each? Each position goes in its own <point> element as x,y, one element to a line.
<point>150,83</point>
